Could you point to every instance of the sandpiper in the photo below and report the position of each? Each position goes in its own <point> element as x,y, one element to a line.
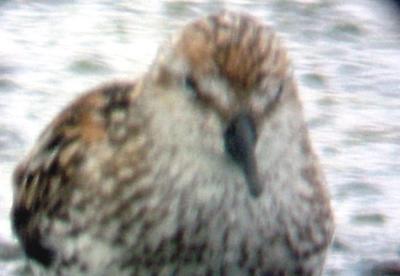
<point>203,166</point>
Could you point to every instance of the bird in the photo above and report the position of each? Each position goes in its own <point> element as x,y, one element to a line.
<point>202,166</point>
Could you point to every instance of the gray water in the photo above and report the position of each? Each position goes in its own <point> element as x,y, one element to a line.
<point>347,60</point>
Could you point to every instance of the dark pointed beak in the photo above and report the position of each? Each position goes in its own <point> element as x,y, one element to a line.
<point>240,140</point>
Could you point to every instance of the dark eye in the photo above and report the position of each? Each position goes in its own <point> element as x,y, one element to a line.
<point>191,83</point>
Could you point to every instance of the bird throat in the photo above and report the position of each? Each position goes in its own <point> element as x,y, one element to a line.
<point>240,139</point>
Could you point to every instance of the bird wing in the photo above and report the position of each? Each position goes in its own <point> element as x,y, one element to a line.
<point>86,153</point>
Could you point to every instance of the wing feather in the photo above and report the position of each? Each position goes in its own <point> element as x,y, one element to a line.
<point>78,151</point>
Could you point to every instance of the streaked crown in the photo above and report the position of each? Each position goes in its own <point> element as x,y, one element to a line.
<point>233,61</point>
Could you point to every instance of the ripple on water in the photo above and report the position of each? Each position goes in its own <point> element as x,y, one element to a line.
<point>330,150</point>
<point>368,134</point>
<point>347,28</point>
<point>327,100</point>
<point>339,245</point>
<point>12,261</point>
<point>89,65</point>
<point>385,268</point>
<point>7,85</point>
<point>319,121</point>
<point>10,142</point>
<point>376,219</point>
<point>314,80</point>
<point>357,189</point>
<point>9,252</point>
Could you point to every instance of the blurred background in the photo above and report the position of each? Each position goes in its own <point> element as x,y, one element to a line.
<point>346,56</point>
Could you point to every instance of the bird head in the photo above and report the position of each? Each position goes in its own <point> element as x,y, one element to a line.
<point>233,68</point>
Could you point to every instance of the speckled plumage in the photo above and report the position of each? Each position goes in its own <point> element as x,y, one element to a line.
<point>134,178</point>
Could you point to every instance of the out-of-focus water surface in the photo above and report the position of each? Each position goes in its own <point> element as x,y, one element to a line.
<point>347,60</point>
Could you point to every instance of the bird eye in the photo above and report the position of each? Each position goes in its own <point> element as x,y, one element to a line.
<point>191,83</point>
